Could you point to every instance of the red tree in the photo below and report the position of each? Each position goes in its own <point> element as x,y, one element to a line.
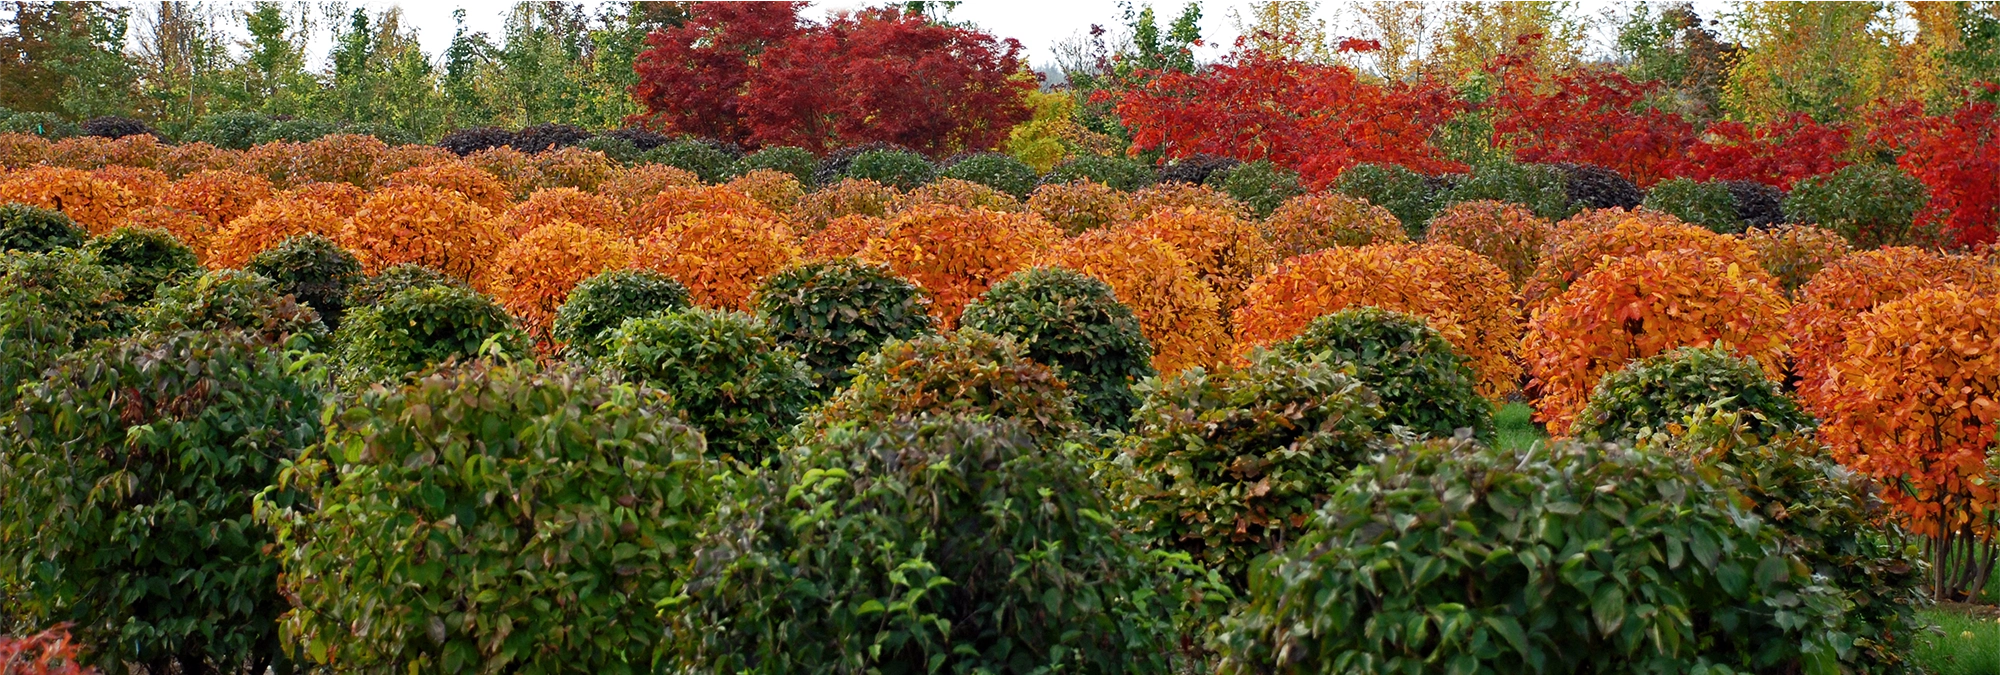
<point>1587,116</point>
<point>693,76</point>
<point>1957,156</point>
<point>1781,152</point>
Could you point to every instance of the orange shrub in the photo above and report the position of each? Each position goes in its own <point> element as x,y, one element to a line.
<point>844,237</point>
<point>219,196</point>
<point>400,158</point>
<point>1634,307</point>
<point>341,198</point>
<point>637,185</point>
<point>531,276</point>
<point>776,190</point>
<point>1175,308</point>
<point>1589,220</point>
<point>1577,253</point>
<point>1080,206</point>
<point>1462,295</point>
<point>268,224</point>
<point>422,225</point>
<point>1508,234</point>
<point>86,152</point>
<point>336,158</point>
<point>722,259</point>
<point>188,227</point>
<point>1792,254</point>
<point>964,194</point>
<point>673,203</point>
<point>22,150</point>
<point>849,197</point>
<point>1854,285</point>
<point>1311,222</point>
<point>97,205</point>
<point>273,161</point>
<point>954,254</point>
<point>573,168</point>
<point>1175,196</point>
<point>1227,251</point>
<point>514,168</point>
<point>188,158</point>
<point>144,184</point>
<point>554,205</point>
<point>459,177</point>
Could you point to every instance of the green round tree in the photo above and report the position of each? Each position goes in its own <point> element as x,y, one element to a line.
<point>231,300</point>
<point>725,371</point>
<point>1652,394</point>
<point>967,372</point>
<point>1870,204</point>
<point>1073,323</point>
<point>397,278</point>
<point>835,312</point>
<point>1423,383</point>
<point>603,302</point>
<point>996,170</point>
<point>1708,204</point>
<point>799,162</point>
<point>900,169</point>
<point>33,229</point>
<point>1118,173</point>
<point>416,329</point>
<point>312,269</point>
<point>145,258</point>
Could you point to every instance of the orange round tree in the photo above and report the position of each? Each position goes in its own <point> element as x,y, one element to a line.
<point>1578,252</point>
<point>849,197</point>
<point>954,254</point>
<point>268,224</point>
<point>459,177</point>
<point>1227,251</point>
<point>1854,285</point>
<point>1176,310</point>
<point>844,237</point>
<point>1510,235</point>
<point>636,185</point>
<point>533,275</point>
<point>721,258</point>
<point>97,205</point>
<point>1080,206</point>
<point>673,203</point>
<point>423,225</point>
<point>554,205</point>
<point>1311,222</point>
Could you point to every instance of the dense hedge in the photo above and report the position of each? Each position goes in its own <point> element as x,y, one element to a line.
<point>34,229</point>
<point>601,303</point>
<point>1870,204</point>
<point>314,270</point>
<point>995,170</point>
<point>966,372</point>
<point>145,259</point>
<point>1708,204</point>
<point>725,371</point>
<point>1073,323</point>
<point>420,327</point>
<point>1652,395</point>
<point>234,301</point>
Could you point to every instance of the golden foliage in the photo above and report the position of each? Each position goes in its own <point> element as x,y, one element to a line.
<point>87,152</point>
<point>955,254</point>
<point>1508,234</point>
<point>1080,206</point>
<point>1175,196</point>
<point>557,205</point>
<point>776,190</point>
<point>635,186</point>
<point>514,168</point>
<point>335,158</point>
<point>721,258</point>
<point>1175,308</point>
<point>1854,285</point>
<point>964,194</point>
<point>460,177</point>
<point>672,204</point>
<point>1576,252</point>
<point>532,275</point>
<point>268,224</point>
<point>423,225</point>
<point>189,158</point>
<point>849,197</point>
<point>573,167</point>
<point>400,158</point>
<point>844,237</point>
<point>189,228</point>
<point>99,206</point>
<point>341,198</point>
<point>1227,251</point>
<point>144,184</point>
<point>19,151</point>
<point>1793,254</point>
<point>219,196</point>
<point>271,161</point>
<point>1311,222</point>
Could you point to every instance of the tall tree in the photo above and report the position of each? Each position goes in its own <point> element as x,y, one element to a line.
<point>1287,28</point>
<point>181,58</point>
<point>1826,59</point>
<point>272,75</point>
<point>1674,47</point>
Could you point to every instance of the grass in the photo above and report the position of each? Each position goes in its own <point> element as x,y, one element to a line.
<point>1515,426</point>
<point>1968,645</point>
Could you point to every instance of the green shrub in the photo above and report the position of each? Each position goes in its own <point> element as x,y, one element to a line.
<point>312,269</point>
<point>229,300</point>
<point>725,371</point>
<point>418,328</point>
<point>968,372</point>
<point>145,258</point>
<point>126,492</point>
<point>1565,558</point>
<point>938,544</point>
<point>900,169</point>
<point>996,170</point>
<point>835,312</point>
<point>1400,190</point>
<point>34,229</point>
<point>395,279</point>
<point>1537,187</point>
<point>1707,204</point>
<point>1870,204</point>
<point>1227,465</point>
<point>705,159</point>
<point>796,161</point>
<point>619,150</point>
<point>1073,323</point>
<point>1259,185</point>
<point>1424,384</point>
<point>51,303</point>
<point>44,124</point>
<point>1118,173</point>
<point>234,130</point>
<point>599,304</point>
<point>492,519</point>
<point>382,131</point>
<point>298,130</point>
<point>1651,394</point>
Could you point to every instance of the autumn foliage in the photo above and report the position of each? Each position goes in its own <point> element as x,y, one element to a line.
<point>1855,285</point>
<point>849,197</point>
<point>721,258</point>
<point>266,225</point>
<point>459,177</point>
<point>1957,157</point>
<point>219,196</point>
<point>1080,206</point>
<point>1793,254</point>
<point>1578,251</point>
<point>1508,234</point>
<point>1308,223</point>
<point>671,204</point>
<point>1225,250</point>
<point>844,237</point>
<point>1176,310</point>
<point>97,205</point>
<point>531,276</point>
<point>422,225</point>
<point>637,185</point>
<point>50,652</point>
<point>955,254</point>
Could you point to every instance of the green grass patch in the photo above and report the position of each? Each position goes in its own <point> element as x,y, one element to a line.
<point>1966,645</point>
<point>1515,427</point>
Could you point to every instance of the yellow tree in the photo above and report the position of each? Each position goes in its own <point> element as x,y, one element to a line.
<point>1826,59</point>
<point>1288,28</point>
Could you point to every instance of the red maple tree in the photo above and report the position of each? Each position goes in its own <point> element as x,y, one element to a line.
<point>1957,157</point>
<point>1779,153</point>
<point>1587,116</point>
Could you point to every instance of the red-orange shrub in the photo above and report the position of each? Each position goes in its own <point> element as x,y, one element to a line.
<point>336,158</point>
<point>464,179</point>
<point>573,168</point>
<point>144,184</point>
<point>188,227</point>
<point>22,150</point>
<point>955,254</point>
<point>1793,254</point>
<point>849,197</point>
<point>964,194</point>
<point>1311,222</point>
<point>1577,252</point>
<point>50,652</point>
<point>844,237</point>
<point>422,225</point>
<point>721,258</point>
<point>219,196</point>
<point>189,158</point>
<point>341,198</point>
<point>97,205</point>
<point>1175,196</point>
<point>272,161</point>
<point>532,275</point>
<point>1175,308</point>
<point>268,224</point>
<point>672,204</point>
<point>1510,235</point>
<point>400,158</point>
<point>1227,251</point>
<point>1634,307</point>
<point>556,205</point>
<point>87,152</point>
<point>1854,285</point>
<point>635,186</point>
<point>1080,206</point>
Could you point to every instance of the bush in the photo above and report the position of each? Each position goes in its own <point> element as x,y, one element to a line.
<point>19,151</point>
<point>1757,205</point>
<point>167,568</point>
<point>1539,187</point>
<point>1793,254</point>
<point>382,131</point>
<point>33,229</point>
<point>1510,235</point>
<point>372,290</point>
<point>234,130</point>
<point>335,158</point>
<point>1873,205</point>
<point>556,506</point>
<point>706,159</point>
<point>218,196</point>
<point>269,224</point>
<point>547,136</point>
<point>849,197</point>
<point>639,137</point>
<point>963,373</point>
<point>1195,169</point>
<point>601,303</point>
<point>955,254</point>
<point>1311,222</point>
<point>572,168</point>
<point>146,185</point>
<point>1168,197</point>
<point>845,237</point>
<point>995,170</point>
<point>725,371</point>
<point>955,192</point>
<point>613,148</point>
<point>415,329</point>
<point>1117,173</point>
<point>1578,250</point>
<point>422,225</point>
<point>1258,185</point>
<point>1401,191</point>
<point>1854,285</point>
<point>678,203</point>
<point>1227,251</point>
<point>312,269</point>
<point>965,545</point>
<point>96,205</point>
<point>228,300</point>
<point>1423,384</point>
<point>514,168</point>
<point>43,124</point>
<point>722,259</point>
<point>1080,206</point>
<point>556,205</point>
<point>465,142</point>
<point>1588,186</point>
<point>1708,204</point>
<point>900,169</point>
<point>51,303</point>
<point>91,152</point>
<point>1228,465</point>
<point>299,130</point>
<point>1072,323</point>
<point>459,178</point>
<point>144,259</point>
<point>105,126</point>
<point>533,275</point>
<point>1655,394</point>
<point>1176,310</point>
<point>776,190</point>
<point>796,161</point>
<point>1532,564</point>
<point>834,312</point>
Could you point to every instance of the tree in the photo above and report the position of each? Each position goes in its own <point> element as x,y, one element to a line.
<point>1286,28</point>
<point>1828,60</point>
<point>1674,48</point>
<point>181,58</point>
<point>273,68</point>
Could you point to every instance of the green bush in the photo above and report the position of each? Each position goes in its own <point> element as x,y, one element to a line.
<point>900,169</point>
<point>230,300</point>
<point>126,499</point>
<point>44,124</point>
<point>234,130</point>
<point>373,290</point>
<point>968,372</point>
<point>491,519</point>
<point>298,130</point>
<point>1424,384</point>
<point>616,149</point>
<point>705,159</point>
<point>145,258</point>
<point>1870,204</point>
<point>835,312</point>
<point>418,328</point>
<point>1445,556</point>
<point>312,269</point>
<point>1118,173</point>
<point>999,171</point>
<point>1073,323</point>
<point>382,131</point>
<point>598,305</point>
<point>1400,190</point>
<point>1537,187</point>
<point>1709,204</point>
<point>34,229</point>
<point>1227,465</point>
<point>1259,185</point>
<point>796,161</point>
<point>935,544</point>
<point>725,371</point>
<point>51,303</point>
<point>1651,394</point>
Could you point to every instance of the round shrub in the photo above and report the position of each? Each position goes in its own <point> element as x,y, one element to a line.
<point>601,303</point>
<point>298,130</point>
<point>341,199</point>
<point>1259,185</point>
<point>1176,310</point>
<point>1873,205</point>
<point>312,269</point>
<point>1195,169</point>
<point>96,205</point>
<point>229,300</point>
<point>234,130</point>
<point>1653,394</point>
<point>533,275</point>
<point>145,259</point>
<point>422,225</point>
<point>573,168</point>
<point>415,329</point>
<point>900,169</point>
<point>146,185</point>
<point>51,303</point>
<point>371,290</point>
<point>557,205</point>
<point>706,159</point>
<point>849,197</point>
<point>1080,206</point>
<point>382,131</point>
<point>91,152</point>
<point>965,372</point>
<point>955,192</point>
<point>269,224</point>
<point>833,167</point>
<point>996,170</point>
<point>677,203</point>
<point>1166,197</point>
<point>43,124</point>
<point>1708,204</point>
<point>955,254</point>
<point>1311,222</point>
<point>1577,251</point>
<point>514,168</point>
<point>834,312</point>
<point>923,542</point>
<point>640,137</point>
<point>1539,187</point>
<point>33,229</point>
<point>1534,565</point>
<point>1793,254</point>
<point>107,126</point>
<point>613,148</point>
<point>1117,173</point>
<point>1853,286</point>
<point>459,178</point>
<point>1227,251</point>
<point>637,185</point>
<point>722,259</point>
<point>796,161</point>
<point>19,151</point>
<point>1508,234</point>
<point>1227,465</point>
<point>1422,383</point>
<point>725,372</point>
<point>547,136</point>
<point>1757,205</point>
<point>556,506</point>
<point>1400,190</point>
<point>168,568</point>
<point>335,158</point>
<point>1073,323</point>
<point>1633,308</point>
<point>219,196</point>
<point>776,190</point>
<point>845,237</point>
<point>1588,186</point>
<point>468,141</point>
